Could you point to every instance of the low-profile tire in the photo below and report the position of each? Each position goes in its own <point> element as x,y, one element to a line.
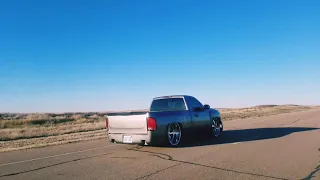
<point>216,128</point>
<point>174,135</point>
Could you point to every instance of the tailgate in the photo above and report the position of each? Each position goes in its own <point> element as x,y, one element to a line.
<point>128,124</point>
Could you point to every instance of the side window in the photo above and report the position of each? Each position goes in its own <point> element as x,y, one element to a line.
<point>193,102</point>
<point>198,103</point>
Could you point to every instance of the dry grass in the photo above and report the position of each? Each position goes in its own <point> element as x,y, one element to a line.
<point>22,131</point>
<point>258,111</point>
<point>34,132</point>
<point>42,125</point>
<point>21,144</point>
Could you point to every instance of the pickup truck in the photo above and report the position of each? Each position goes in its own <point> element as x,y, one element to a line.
<point>168,120</point>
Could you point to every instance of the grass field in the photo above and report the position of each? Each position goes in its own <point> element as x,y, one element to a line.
<point>23,126</point>
<point>21,131</point>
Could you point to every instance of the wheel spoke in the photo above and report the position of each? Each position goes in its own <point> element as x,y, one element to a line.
<point>174,133</point>
<point>215,128</point>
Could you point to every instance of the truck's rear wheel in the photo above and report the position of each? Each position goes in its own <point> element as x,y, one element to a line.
<point>174,134</point>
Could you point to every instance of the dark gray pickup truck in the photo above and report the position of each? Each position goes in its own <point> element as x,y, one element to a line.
<point>167,121</point>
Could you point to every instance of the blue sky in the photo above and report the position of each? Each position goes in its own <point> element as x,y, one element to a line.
<point>114,55</point>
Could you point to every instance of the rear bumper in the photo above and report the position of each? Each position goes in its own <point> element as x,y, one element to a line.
<point>151,138</point>
<point>136,138</point>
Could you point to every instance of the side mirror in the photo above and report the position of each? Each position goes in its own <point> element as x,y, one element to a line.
<point>206,106</point>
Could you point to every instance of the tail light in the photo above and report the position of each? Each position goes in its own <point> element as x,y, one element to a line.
<point>152,124</point>
<point>107,123</point>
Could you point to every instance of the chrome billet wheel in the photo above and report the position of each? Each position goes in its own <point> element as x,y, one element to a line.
<point>216,127</point>
<point>174,134</point>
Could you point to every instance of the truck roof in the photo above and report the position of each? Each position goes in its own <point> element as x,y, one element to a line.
<point>170,96</point>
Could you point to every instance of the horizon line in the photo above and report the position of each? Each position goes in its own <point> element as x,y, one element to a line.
<point>141,110</point>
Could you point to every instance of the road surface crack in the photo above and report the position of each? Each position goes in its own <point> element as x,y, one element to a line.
<point>170,158</point>
<point>57,164</point>
<point>287,124</point>
<point>310,176</point>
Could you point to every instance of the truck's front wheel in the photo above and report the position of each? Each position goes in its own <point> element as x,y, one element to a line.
<point>174,134</point>
<point>216,127</point>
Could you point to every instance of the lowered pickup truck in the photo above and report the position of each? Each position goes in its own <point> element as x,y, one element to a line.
<point>167,121</point>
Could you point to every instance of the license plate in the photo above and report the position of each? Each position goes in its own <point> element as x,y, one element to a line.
<point>127,139</point>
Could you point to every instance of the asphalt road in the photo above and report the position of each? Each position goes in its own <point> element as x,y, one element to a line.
<point>275,147</point>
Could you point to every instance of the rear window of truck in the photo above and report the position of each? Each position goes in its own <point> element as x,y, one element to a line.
<point>169,104</point>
